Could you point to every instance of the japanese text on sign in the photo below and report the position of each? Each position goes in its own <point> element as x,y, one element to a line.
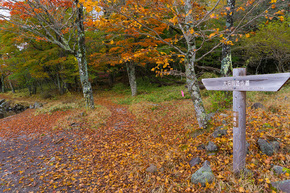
<point>236,83</point>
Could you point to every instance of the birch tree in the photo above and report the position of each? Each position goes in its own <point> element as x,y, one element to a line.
<point>188,19</point>
<point>54,21</point>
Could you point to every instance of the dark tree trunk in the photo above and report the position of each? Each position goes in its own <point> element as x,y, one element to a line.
<point>34,88</point>
<point>131,70</point>
<point>3,83</point>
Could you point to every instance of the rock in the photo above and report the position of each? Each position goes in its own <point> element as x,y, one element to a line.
<point>211,147</point>
<point>219,132</point>
<point>203,175</point>
<point>210,116</point>
<point>194,161</point>
<point>38,105</point>
<point>201,147</point>
<point>257,106</point>
<point>224,122</point>
<point>247,146</point>
<point>2,115</point>
<point>223,115</point>
<point>19,107</point>
<point>285,98</point>
<point>275,145</point>
<point>152,168</point>
<point>2,101</point>
<point>279,169</point>
<point>3,105</point>
<point>266,147</point>
<point>283,186</point>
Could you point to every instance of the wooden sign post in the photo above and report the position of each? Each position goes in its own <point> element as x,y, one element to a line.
<point>239,84</point>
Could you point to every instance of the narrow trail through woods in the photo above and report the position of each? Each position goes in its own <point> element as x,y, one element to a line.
<point>75,151</point>
<point>36,156</point>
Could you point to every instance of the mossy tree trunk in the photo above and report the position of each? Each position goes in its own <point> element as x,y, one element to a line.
<point>194,91</point>
<point>81,58</point>
<point>191,79</point>
<point>226,63</point>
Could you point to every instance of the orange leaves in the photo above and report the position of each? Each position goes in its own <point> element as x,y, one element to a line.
<point>240,8</point>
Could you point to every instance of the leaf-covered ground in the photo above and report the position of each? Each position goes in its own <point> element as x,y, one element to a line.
<point>70,149</point>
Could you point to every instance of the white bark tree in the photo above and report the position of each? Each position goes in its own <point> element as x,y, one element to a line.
<point>57,22</point>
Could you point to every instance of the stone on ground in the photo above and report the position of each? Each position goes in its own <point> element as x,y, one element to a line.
<point>219,132</point>
<point>283,186</point>
<point>194,161</point>
<point>152,168</point>
<point>279,169</point>
<point>257,106</point>
<point>203,175</point>
<point>211,147</point>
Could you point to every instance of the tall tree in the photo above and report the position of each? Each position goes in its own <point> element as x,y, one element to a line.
<point>60,22</point>
<point>189,20</point>
<point>226,63</point>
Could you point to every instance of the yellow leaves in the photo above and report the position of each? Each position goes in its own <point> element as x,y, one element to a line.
<point>273,6</point>
<point>21,172</point>
<point>211,35</point>
<point>273,1</point>
<point>226,41</point>
<point>241,189</point>
<point>191,31</point>
<point>279,13</point>
<point>267,180</point>
<point>247,35</point>
<point>174,20</point>
<point>214,16</point>
<point>220,176</point>
<point>240,8</point>
<point>281,18</point>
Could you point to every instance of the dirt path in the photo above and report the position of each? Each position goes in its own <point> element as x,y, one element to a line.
<point>34,157</point>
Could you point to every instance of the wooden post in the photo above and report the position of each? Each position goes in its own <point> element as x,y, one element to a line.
<point>239,129</point>
<point>240,84</point>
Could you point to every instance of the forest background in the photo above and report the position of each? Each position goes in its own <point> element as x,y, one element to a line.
<point>54,50</point>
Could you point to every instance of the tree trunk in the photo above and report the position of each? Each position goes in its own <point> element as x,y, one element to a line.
<point>191,79</point>
<point>81,58</point>
<point>29,90</point>
<point>34,88</point>
<point>59,84</point>
<point>11,86</point>
<point>111,79</point>
<point>3,85</point>
<point>226,63</point>
<point>194,91</point>
<point>131,70</point>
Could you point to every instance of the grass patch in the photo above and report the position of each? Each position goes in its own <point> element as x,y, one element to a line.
<point>94,118</point>
<point>57,107</point>
<point>98,116</point>
<point>146,92</point>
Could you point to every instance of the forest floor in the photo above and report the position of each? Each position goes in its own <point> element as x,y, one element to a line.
<point>63,147</point>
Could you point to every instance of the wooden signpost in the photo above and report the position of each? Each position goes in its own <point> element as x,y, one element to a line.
<point>239,84</point>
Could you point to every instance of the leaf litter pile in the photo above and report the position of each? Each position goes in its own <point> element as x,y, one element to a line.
<point>110,149</point>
